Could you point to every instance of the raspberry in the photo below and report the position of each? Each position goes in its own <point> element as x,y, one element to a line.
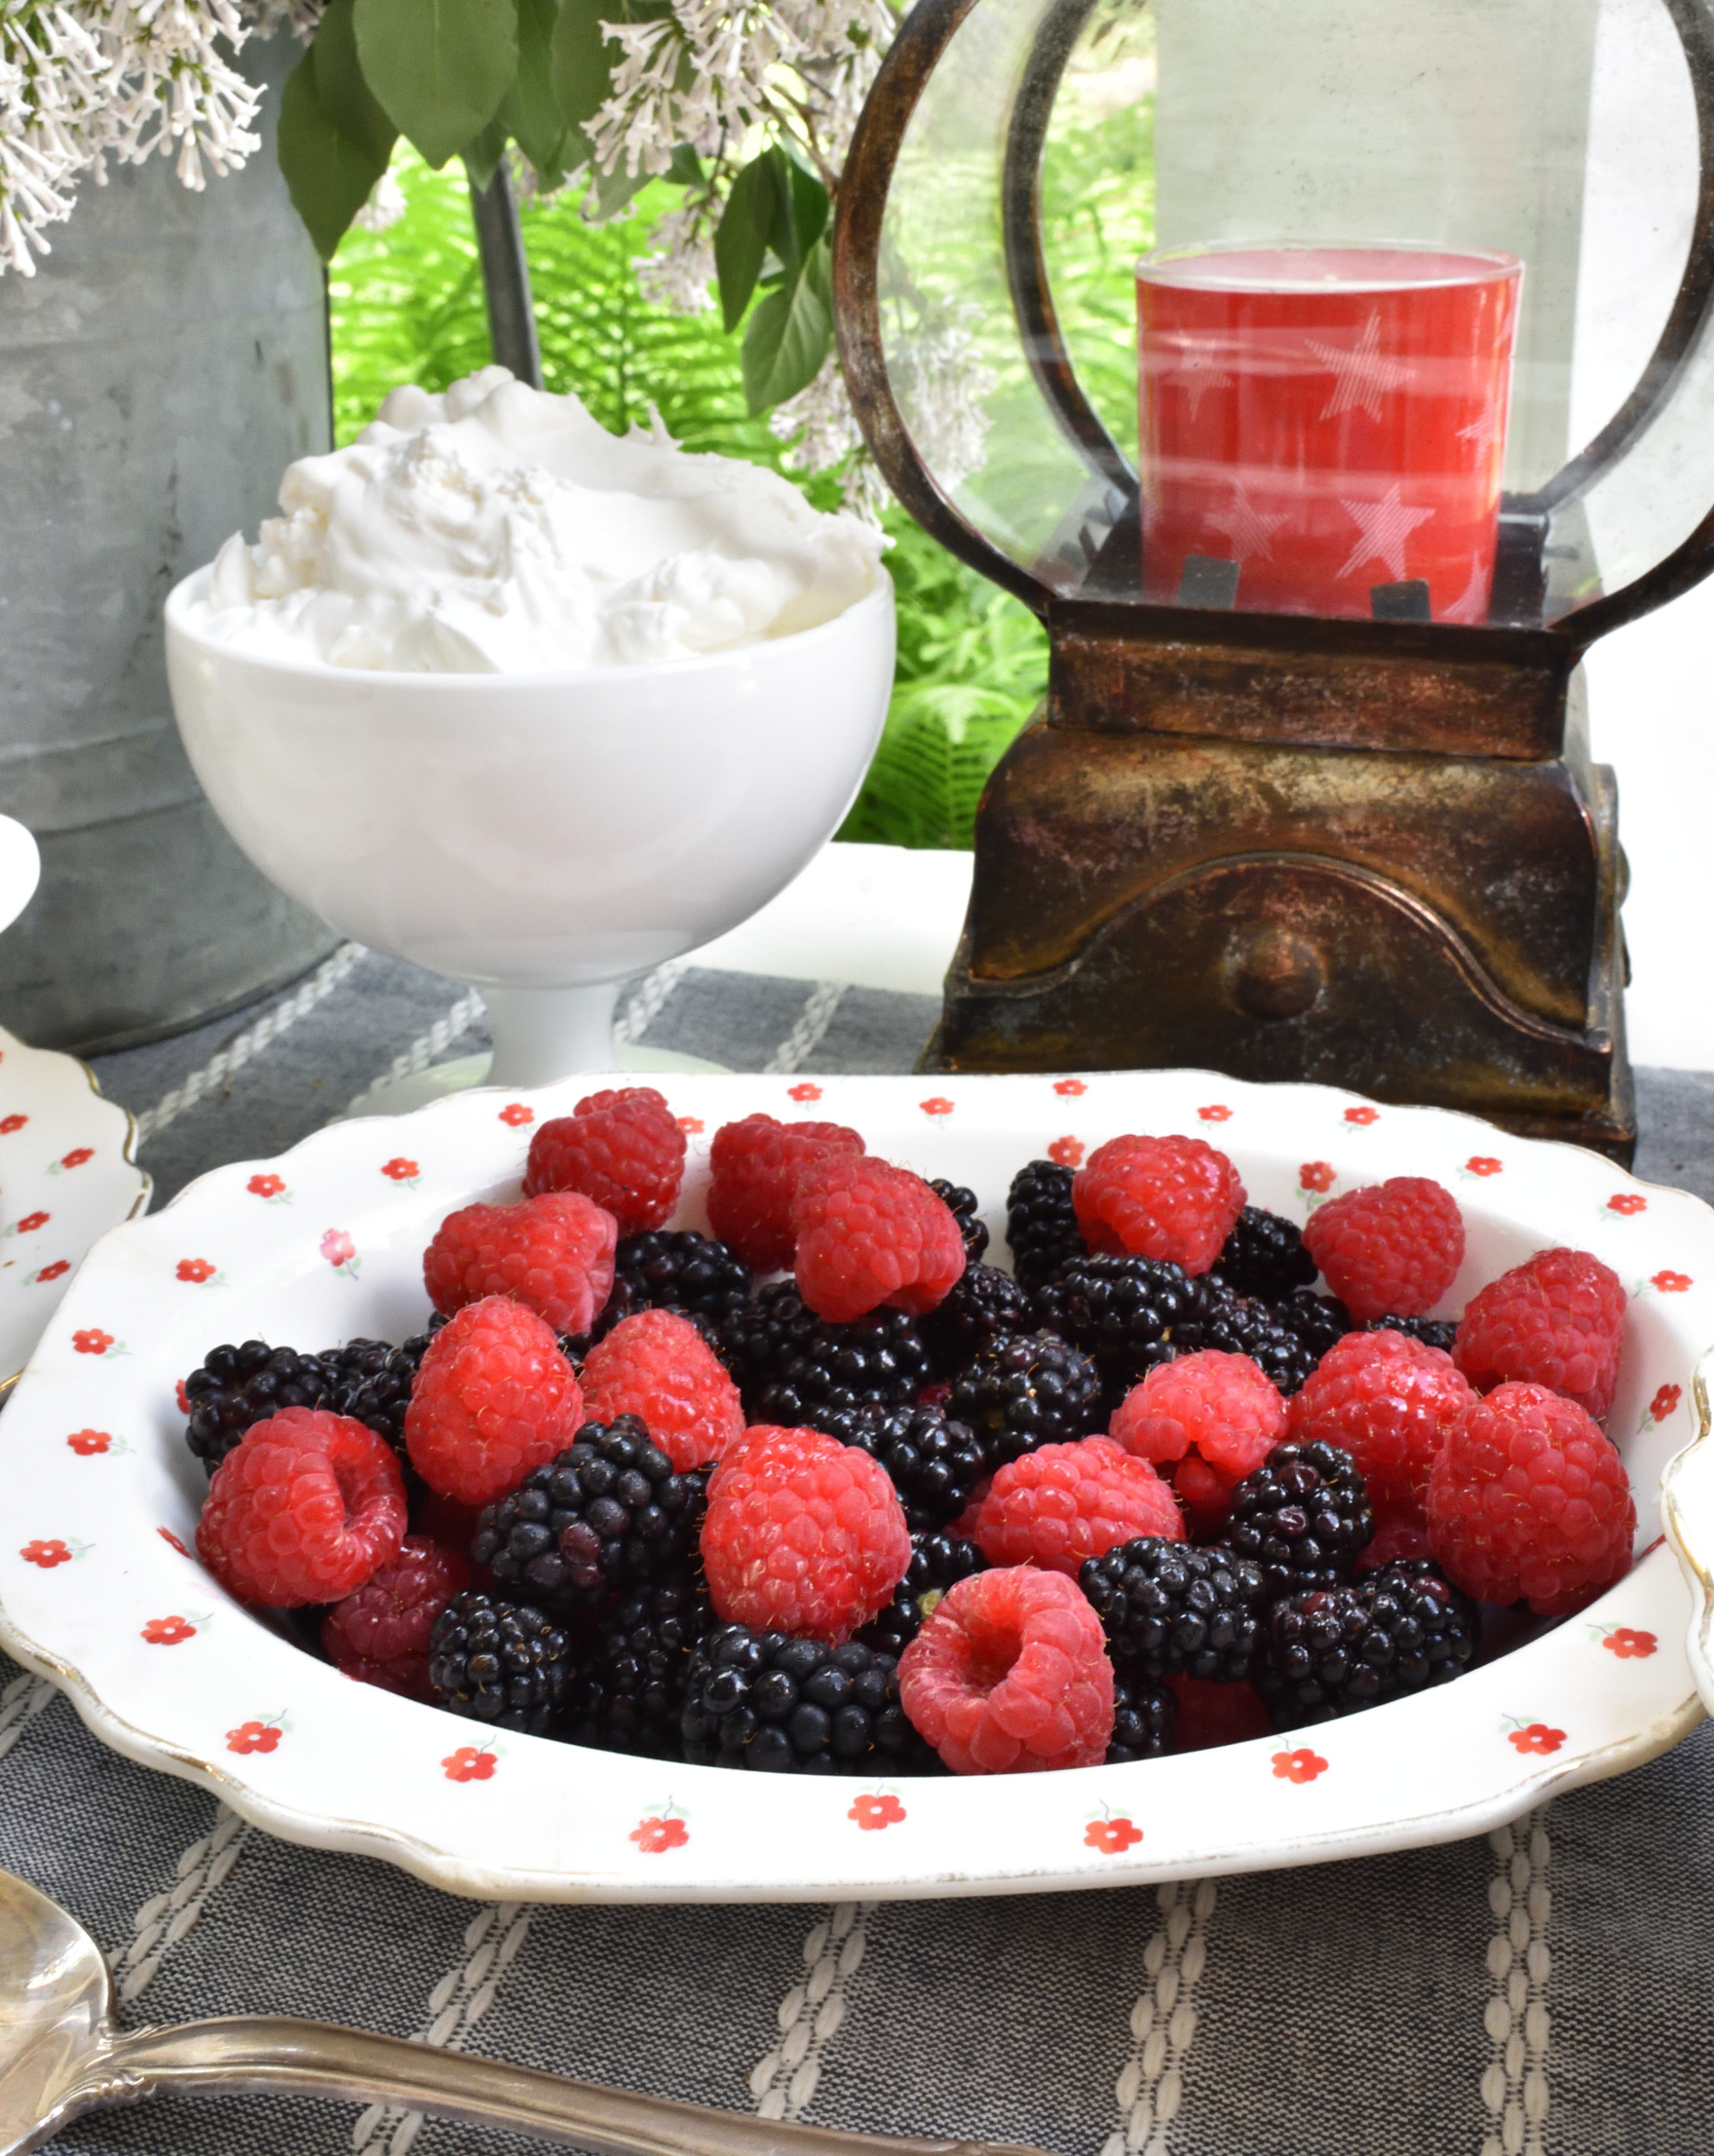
<point>380,1633</point>
<point>494,1398</point>
<point>624,1148</point>
<point>1395,1540</point>
<point>658,1366</point>
<point>1391,1248</point>
<point>1159,1198</point>
<point>1215,1414</point>
<point>1063,1504</point>
<point>1388,1401</point>
<point>803,1535</point>
<point>552,1253</point>
<point>305,1509</point>
<point>1211,1713</point>
<point>1529,1500</point>
<point>869,1234</point>
<point>1556,1320</point>
<point>1009,1676</point>
<point>756,1165</point>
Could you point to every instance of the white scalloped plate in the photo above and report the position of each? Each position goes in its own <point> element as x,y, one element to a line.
<point>66,1176</point>
<point>97,1592</point>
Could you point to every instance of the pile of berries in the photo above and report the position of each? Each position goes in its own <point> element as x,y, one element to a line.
<point>1180,1474</point>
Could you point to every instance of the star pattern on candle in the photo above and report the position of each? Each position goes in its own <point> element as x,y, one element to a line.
<point>1483,432</point>
<point>1361,377</point>
<point>1197,372</point>
<point>1383,527</point>
<point>1247,529</point>
<point>1471,603</point>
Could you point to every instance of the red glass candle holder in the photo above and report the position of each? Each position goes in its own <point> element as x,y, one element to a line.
<point>1323,428</point>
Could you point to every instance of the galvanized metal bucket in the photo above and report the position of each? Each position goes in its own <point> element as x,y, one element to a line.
<point>165,365</point>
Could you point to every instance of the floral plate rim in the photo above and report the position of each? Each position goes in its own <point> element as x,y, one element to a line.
<point>579,1825</point>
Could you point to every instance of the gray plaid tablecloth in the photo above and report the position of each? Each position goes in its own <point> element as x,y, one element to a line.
<point>1545,1992</point>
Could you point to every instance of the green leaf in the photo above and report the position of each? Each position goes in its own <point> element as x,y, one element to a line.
<point>328,173</point>
<point>439,67</point>
<point>790,333</point>
<point>345,97</point>
<point>614,192</point>
<point>529,111</point>
<point>741,240</point>
<point>482,158</point>
<point>808,207</point>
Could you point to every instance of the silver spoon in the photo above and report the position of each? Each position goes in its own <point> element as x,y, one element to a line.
<point>60,2055</point>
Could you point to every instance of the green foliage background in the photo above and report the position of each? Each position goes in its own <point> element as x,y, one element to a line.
<point>408,307</point>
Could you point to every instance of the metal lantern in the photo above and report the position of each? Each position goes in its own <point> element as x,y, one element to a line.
<point>1309,796</point>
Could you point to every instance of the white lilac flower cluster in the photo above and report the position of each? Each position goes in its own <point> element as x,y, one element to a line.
<point>82,81</point>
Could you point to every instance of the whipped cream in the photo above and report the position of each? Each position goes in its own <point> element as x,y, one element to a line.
<point>498,529</point>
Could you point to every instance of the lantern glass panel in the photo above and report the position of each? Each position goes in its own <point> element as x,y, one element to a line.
<point>1422,311</point>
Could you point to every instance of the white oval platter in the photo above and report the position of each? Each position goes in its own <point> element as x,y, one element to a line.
<point>96,1590</point>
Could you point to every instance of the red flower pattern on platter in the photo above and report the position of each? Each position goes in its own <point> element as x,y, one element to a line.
<point>1300,1765</point>
<point>91,1340</point>
<point>1070,1087</point>
<point>195,1271</point>
<point>1363,1115</point>
<point>1215,1114</point>
<point>401,1170</point>
<point>32,1222</point>
<point>1536,1736</point>
<point>53,1272</point>
<point>935,1105</point>
<point>1670,1283</point>
<point>1067,1151</point>
<point>87,1442</point>
<point>691,1125</point>
<point>803,1091</point>
<point>1483,1164</point>
<point>873,1812</point>
<point>469,1764</point>
<point>337,1247</point>
<point>45,1554</point>
<point>1627,1202</point>
<point>253,1737</point>
<point>171,1540</point>
<point>1112,1836</point>
<point>167,1631</point>
<point>10,1123</point>
<point>1317,1175</point>
<point>1629,1645</point>
<point>266,1186</point>
<point>516,1114</point>
<point>655,1836</point>
<point>1664,1403</point>
<point>78,1155</point>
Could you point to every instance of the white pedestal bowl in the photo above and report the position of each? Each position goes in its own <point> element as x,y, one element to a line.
<point>540,836</point>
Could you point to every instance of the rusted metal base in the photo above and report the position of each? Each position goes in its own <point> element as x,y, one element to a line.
<point>1434,925</point>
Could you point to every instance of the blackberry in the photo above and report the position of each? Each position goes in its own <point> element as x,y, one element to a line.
<point>1040,1222</point>
<point>609,1512</point>
<point>1025,1389</point>
<point>1144,1716</point>
<point>1302,1517</point>
<point>374,1382</point>
<point>983,1300</point>
<point>784,1706</point>
<point>794,1367</point>
<point>1331,1653</point>
<point>1320,1321</point>
<point>628,1694</point>
<point>1432,1331</point>
<point>937,1561</point>
<point>1239,1325</point>
<point>1170,1610</point>
<point>676,1269</point>
<point>1119,1312</point>
<point>933,1464</point>
<point>498,1661</point>
<point>1264,1255</point>
<point>236,1388</point>
<point>962,1205</point>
